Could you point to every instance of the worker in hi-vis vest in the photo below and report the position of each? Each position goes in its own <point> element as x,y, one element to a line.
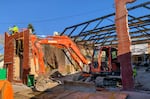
<point>14,29</point>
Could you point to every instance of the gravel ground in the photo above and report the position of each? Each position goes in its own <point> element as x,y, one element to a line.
<point>142,80</point>
<point>137,95</point>
<point>141,91</point>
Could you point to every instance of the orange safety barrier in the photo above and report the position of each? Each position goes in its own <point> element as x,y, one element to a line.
<point>6,91</point>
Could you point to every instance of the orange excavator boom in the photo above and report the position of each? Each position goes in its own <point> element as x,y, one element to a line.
<point>59,42</point>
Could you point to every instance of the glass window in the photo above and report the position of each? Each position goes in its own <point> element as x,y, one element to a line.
<point>114,54</point>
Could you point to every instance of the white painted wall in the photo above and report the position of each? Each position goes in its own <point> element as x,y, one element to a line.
<point>139,49</point>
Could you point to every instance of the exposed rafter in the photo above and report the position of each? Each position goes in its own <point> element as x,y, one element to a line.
<point>93,32</point>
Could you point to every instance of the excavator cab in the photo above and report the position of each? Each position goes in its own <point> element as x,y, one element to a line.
<point>104,61</point>
<point>105,67</point>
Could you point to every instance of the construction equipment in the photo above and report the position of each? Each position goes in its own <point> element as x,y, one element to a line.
<point>103,63</point>
<point>6,91</point>
<point>104,68</point>
<point>59,42</point>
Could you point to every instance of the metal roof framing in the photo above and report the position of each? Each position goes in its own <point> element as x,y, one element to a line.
<point>94,32</point>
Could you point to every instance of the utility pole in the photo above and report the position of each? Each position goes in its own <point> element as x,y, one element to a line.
<point>124,43</point>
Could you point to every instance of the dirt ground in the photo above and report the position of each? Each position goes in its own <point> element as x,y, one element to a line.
<point>142,90</point>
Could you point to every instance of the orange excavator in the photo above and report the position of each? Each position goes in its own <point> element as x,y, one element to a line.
<point>104,60</point>
<point>59,42</point>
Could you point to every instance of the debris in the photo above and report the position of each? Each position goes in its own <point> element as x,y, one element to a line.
<point>79,86</point>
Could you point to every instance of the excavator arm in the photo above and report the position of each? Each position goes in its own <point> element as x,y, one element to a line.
<point>59,42</point>
<point>37,53</point>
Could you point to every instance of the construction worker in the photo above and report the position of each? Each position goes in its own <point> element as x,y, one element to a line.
<point>14,29</point>
<point>134,72</point>
<point>30,27</point>
<point>55,33</point>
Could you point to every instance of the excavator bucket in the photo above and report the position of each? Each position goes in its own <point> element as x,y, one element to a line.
<point>6,91</point>
<point>79,86</point>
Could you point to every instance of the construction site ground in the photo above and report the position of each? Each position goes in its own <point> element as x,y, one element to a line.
<point>142,90</point>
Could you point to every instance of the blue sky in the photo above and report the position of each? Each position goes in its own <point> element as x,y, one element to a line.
<point>48,16</point>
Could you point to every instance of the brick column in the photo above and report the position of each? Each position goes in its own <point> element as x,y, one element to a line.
<point>124,43</point>
<point>26,61</point>
<point>8,56</point>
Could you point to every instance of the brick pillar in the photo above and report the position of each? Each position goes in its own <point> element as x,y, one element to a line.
<point>8,56</point>
<point>124,43</point>
<point>26,61</point>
